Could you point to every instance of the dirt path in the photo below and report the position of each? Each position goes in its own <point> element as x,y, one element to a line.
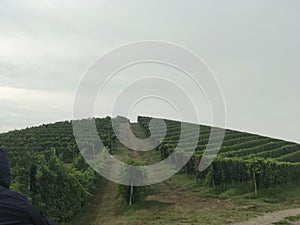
<point>105,209</point>
<point>122,152</point>
<point>104,202</point>
<point>170,192</point>
<point>272,218</point>
<point>105,212</point>
<point>100,209</point>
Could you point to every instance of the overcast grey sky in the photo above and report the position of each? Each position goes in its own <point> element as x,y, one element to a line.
<point>252,46</point>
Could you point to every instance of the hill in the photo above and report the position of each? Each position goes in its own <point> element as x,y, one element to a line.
<point>47,167</point>
<point>243,157</point>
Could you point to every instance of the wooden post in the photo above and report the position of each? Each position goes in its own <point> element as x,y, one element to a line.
<point>254,182</point>
<point>213,183</point>
<point>186,168</point>
<point>131,193</point>
<point>197,163</point>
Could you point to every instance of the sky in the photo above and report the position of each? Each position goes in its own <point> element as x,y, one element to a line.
<point>252,46</point>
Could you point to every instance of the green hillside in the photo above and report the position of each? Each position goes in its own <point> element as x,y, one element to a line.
<point>243,157</point>
<point>47,167</point>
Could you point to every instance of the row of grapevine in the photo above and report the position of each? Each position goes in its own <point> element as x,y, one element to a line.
<point>263,173</point>
<point>243,158</point>
<point>46,166</point>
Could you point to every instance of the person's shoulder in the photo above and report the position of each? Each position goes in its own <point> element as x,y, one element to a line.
<point>11,193</point>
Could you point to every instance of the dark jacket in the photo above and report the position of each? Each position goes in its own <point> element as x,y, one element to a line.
<point>15,209</point>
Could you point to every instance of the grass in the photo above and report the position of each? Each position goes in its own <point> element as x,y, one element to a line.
<point>241,206</point>
<point>288,220</point>
<point>246,204</point>
<point>180,200</point>
<point>293,218</point>
<point>282,223</point>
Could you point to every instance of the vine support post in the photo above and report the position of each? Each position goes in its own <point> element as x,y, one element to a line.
<point>131,193</point>
<point>111,146</point>
<point>197,162</point>
<point>254,182</point>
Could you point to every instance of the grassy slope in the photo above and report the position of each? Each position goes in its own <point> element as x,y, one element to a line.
<point>179,200</point>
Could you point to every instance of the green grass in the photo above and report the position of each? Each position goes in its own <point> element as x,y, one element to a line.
<point>241,206</point>
<point>245,206</point>
<point>293,218</point>
<point>288,220</point>
<point>282,223</point>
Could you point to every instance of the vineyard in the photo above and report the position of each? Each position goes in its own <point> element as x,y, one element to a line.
<point>244,158</point>
<point>48,168</point>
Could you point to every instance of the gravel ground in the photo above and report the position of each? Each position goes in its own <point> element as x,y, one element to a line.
<point>272,218</point>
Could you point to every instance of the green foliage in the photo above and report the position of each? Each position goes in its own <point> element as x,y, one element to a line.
<point>80,163</point>
<point>243,159</point>
<point>61,191</point>
<point>46,166</point>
